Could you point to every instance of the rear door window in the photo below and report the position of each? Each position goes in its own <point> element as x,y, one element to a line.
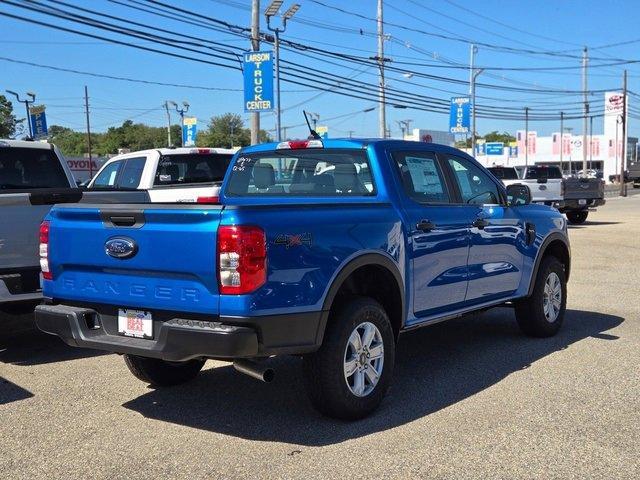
<point>306,172</point>
<point>29,168</point>
<point>422,177</point>
<point>191,168</point>
<point>108,176</point>
<point>131,173</point>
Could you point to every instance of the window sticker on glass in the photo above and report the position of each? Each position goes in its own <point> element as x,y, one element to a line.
<point>424,175</point>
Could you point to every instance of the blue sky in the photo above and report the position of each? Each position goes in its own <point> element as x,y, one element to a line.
<point>537,26</point>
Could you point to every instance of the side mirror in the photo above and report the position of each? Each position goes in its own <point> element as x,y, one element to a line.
<point>518,194</point>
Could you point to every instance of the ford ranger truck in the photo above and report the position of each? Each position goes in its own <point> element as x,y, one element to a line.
<point>330,264</point>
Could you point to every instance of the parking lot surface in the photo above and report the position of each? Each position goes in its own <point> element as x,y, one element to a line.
<point>472,398</point>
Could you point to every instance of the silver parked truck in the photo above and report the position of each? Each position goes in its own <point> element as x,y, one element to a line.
<point>33,177</point>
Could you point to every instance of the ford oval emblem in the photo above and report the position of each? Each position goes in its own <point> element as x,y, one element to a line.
<point>120,247</point>
<point>543,187</point>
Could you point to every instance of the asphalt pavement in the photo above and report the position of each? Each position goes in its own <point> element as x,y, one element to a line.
<point>471,398</point>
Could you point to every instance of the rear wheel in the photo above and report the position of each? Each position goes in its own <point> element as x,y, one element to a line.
<point>577,218</point>
<point>542,314</point>
<point>350,373</point>
<point>161,373</point>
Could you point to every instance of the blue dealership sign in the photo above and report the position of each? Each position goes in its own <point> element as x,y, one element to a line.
<point>494,148</point>
<point>189,131</point>
<point>38,121</point>
<point>459,115</point>
<point>258,81</point>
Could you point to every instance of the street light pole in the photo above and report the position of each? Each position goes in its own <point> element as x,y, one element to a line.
<point>382,119</point>
<point>526,136</point>
<point>26,105</point>
<point>181,112</point>
<point>271,11</point>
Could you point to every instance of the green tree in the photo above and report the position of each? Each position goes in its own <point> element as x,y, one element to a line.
<point>9,124</point>
<point>70,142</point>
<point>495,136</point>
<point>227,130</point>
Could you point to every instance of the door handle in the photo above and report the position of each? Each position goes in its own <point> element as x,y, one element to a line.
<point>480,223</point>
<point>425,225</point>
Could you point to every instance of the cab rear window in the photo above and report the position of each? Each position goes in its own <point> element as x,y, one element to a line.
<point>504,173</point>
<point>29,168</point>
<point>543,172</point>
<point>181,169</point>
<point>309,172</point>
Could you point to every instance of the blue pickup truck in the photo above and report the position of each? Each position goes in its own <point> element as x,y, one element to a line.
<point>327,250</point>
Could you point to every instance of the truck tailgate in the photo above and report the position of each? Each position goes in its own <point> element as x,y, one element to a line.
<point>583,188</point>
<point>172,267</point>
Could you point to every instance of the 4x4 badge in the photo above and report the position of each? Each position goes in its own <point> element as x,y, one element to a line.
<point>289,240</point>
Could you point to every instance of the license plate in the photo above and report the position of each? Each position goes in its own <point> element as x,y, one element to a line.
<point>582,201</point>
<point>135,323</point>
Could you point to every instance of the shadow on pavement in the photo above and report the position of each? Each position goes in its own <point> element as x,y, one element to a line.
<point>435,367</point>
<point>593,224</point>
<point>10,392</point>
<point>34,347</point>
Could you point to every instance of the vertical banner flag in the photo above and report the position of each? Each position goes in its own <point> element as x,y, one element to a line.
<point>258,81</point>
<point>189,131</point>
<point>481,147</point>
<point>459,115</point>
<point>513,149</point>
<point>38,121</point>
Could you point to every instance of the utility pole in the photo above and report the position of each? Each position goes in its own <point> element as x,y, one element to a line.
<point>26,106</point>
<point>623,190</point>
<point>271,11</point>
<point>166,106</point>
<point>526,136</point>
<point>586,111</point>
<point>382,119</point>
<point>86,111</point>
<point>351,132</point>
<point>473,74</point>
<point>561,139</point>
<point>255,46</point>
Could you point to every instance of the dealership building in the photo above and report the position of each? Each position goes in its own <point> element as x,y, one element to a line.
<point>603,152</point>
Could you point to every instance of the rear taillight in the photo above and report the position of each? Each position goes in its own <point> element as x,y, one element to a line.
<point>208,200</point>
<point>242,259</point>
<point>44,251</point>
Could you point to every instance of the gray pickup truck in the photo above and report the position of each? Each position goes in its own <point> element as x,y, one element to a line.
<point>33,177</point>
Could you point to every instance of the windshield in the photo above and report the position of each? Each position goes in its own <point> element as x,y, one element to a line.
<point>29,168</point>
<point>179,169</point>
<point>504,173</point>
<point>310,172</point>
<point>543,172</point>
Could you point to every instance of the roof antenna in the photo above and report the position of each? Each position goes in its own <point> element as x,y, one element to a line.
<point>313,133</point>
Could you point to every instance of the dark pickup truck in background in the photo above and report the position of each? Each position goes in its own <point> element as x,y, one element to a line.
<point>33,177</point>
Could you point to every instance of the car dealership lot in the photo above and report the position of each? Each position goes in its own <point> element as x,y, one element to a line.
<point>472,398</point>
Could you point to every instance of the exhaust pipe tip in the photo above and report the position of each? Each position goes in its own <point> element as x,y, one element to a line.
<point>255,370</point>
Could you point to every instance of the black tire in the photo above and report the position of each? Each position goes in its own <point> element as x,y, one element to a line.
<point>530,311</point>
<point>576,218</point>
<point>324,375</point>
<point>160,373</point>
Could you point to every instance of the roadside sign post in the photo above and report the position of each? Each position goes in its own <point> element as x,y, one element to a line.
<point>459,115</point>
<point>189,131</point>
<point>258,82</point>
<point>38,122</point>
